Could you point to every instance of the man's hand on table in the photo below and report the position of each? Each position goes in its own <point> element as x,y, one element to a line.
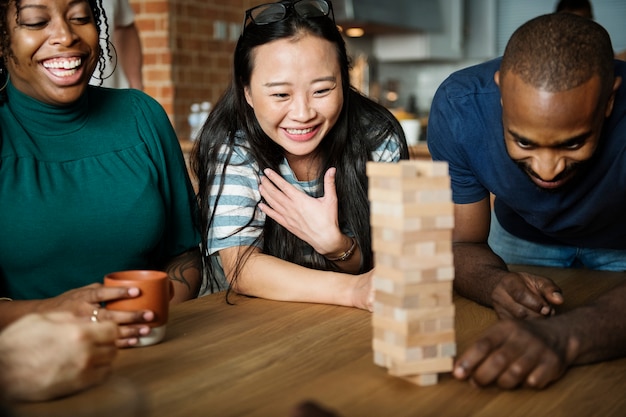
<point>524,296</point>
<point>514,353</point>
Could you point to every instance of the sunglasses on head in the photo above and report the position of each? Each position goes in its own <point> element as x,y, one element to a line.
<point>265,14</point>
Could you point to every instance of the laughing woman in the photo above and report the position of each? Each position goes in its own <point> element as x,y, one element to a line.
<point>281,163</point>
<point>92,180</point>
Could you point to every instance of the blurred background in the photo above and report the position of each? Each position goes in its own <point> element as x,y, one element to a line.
<point>401,49</point>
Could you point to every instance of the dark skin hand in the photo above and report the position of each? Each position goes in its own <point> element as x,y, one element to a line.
<point>515,353</point>
<point>482,276</point>
<point>523,295</point>
<point>530,346</point>
<point>535,353</point>
<point>183,270</point>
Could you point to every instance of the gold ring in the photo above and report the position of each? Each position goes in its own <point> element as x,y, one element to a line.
<point>94,315</point>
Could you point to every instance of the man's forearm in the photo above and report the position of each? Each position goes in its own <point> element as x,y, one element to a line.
<point>477,271</point>
<point>597,330</point>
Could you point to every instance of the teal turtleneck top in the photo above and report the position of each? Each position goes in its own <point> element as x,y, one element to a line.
<point>94,187</point>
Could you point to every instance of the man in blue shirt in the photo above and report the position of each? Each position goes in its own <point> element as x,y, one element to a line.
<point>544,131</point>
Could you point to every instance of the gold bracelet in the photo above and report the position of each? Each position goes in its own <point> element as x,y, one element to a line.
<point>345,255</point>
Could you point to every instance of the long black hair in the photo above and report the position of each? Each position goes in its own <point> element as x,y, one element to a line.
<point>363,125</point>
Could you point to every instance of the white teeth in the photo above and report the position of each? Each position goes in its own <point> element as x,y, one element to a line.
<point>66,73</point>
<point>68,64</point>
<point>299,131</point>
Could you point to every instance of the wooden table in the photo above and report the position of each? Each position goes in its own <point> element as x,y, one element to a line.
<point>419,151</point>
<point>260,358</point>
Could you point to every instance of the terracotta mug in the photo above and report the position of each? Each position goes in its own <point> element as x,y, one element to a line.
<point>156,292</point>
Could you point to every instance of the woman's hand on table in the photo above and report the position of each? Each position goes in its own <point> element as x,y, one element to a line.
<point>314,220</point>
<point>87,302</point>
<point>514,353</point>
<point>522,295</point>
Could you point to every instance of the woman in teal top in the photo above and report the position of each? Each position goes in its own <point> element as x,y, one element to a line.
<point>92,180</point>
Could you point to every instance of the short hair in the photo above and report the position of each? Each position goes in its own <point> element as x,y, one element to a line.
<point>575,6</point>
<point>558,52</point>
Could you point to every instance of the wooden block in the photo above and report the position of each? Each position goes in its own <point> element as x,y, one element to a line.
<point>426,366</point>
<point>420,253</point>
<point>412,340</point>
<point>431,168</point>
<point>409,208</point>
<point>394,170</point>
<point>412,223</point>
<point>409,315</point>
<point>381,359</point>
<point>401,197</point>
<point>416,275</point>
<point>422,273</point>
<point>432,351</point>
<point>403,290</point>
<point>410,183</point>
<point>407,168</point>
<point>423,254</point>
<point>415,259</point>
<point>409,254</point>
<point>406,236</point>
<point>432,324</point>
<point>414,301</point>
<point>393,353</point>
<point>447,349</point>
<point>423,380</point>
<point>447,323</point>
<point>425,326</point>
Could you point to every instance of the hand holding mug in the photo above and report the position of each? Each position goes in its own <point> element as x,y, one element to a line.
<point>156,291</point>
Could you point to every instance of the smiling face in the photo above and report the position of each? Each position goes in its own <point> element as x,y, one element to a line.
<point>551,134</point>
<point>55,49</point>
<point>295,91</point>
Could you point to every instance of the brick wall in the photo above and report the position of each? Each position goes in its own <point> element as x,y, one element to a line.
<point>187,47</point>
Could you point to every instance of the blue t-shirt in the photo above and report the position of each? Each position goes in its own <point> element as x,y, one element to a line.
<point>465,129</point>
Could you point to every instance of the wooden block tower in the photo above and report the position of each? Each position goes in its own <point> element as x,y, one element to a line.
<point>412,216</point>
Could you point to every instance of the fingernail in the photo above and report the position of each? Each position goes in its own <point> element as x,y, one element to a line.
<point>545,310</point>
<point>148,316</point>
<point>134,292</point>
<point>144,331</point>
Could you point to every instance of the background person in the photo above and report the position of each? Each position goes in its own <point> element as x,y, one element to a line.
<point>92,180</point>
<point>542,129</point>
<point>580,7</point>
<point>124,70</point>
<point>585,9</point>
<point>281,163</point>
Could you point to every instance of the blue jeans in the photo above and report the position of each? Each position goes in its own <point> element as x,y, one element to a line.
<point>514,250</point>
